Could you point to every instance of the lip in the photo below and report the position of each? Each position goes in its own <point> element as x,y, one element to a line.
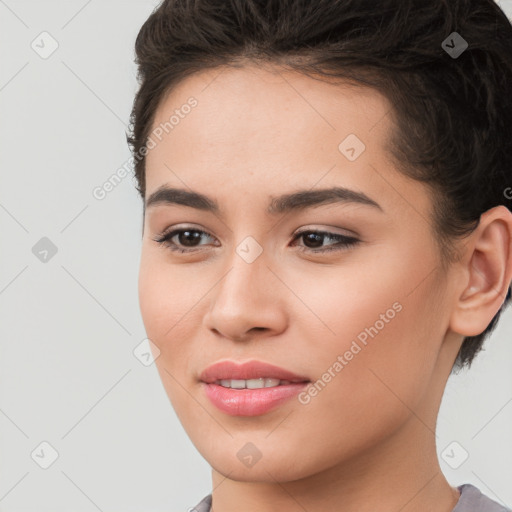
<point>249,402</point>
<point>249,370</point>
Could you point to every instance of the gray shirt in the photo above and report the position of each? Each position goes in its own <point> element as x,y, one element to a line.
<point>471,500</point>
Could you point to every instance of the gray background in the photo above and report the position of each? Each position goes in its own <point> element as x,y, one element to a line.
<point>69,324</point>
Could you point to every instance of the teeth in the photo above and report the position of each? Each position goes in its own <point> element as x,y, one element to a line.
<point>237,384</point>
<point>270,383</point>
<point>251,383</point>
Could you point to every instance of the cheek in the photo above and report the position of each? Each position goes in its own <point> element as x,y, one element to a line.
<point>169,305</point>
<point>164,309</point>
<point>377,342</point>
<point>164,296</point>
<point>161,307</point>
<point>152,296</point>
<point>364,390</point>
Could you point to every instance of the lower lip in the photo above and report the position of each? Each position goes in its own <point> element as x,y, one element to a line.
<point>251,402</point>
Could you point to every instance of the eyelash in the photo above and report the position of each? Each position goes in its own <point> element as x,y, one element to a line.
<point>344,242</point>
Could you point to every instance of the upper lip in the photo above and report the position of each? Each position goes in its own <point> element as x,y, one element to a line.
<point>227,370</point>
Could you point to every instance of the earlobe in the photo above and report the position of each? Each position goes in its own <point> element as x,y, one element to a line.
<point>488,273</point>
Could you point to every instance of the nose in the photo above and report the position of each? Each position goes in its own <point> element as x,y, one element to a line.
<point>247,300</point>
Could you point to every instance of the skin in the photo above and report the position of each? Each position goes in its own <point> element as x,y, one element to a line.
<point>367,440</point>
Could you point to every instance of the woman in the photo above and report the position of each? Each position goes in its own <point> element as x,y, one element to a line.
<point>327,236</point>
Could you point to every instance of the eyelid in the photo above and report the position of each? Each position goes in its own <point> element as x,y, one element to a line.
<point>332,230</point>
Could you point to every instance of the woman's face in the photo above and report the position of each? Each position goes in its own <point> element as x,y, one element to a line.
<point>367,319</point>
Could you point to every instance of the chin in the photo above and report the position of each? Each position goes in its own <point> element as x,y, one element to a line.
<point>274,465</point>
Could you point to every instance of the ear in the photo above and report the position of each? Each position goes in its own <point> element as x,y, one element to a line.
<point>487,271</point>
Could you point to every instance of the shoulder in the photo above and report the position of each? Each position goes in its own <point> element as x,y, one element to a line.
<point>204,505</point>
<point>473,500</point>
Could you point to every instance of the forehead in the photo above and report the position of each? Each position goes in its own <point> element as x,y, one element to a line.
<point>273,130</point>
<point>271,104</point>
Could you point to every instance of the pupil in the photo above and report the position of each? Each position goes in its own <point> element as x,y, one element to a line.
<point>187,236</point>
<point>316,237</point>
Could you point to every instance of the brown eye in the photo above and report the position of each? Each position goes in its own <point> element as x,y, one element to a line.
<point>186,237</point>
<point>314,241</point>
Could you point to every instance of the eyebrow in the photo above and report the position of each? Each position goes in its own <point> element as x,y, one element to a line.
<point>300,200</point>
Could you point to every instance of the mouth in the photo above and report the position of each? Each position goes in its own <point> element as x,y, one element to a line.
<point>249,389</point>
